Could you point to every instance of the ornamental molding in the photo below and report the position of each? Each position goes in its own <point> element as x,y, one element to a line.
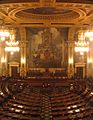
<point>16,13</point>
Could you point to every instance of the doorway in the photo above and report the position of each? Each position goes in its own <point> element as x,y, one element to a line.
<point>80,70</point>
<point>14,72</point>
<point>14,69</point>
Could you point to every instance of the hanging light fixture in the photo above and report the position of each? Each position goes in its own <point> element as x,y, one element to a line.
<point>3,35</point>
<point>81,45</point>
<point>7,38</point>
<point>12,45</point>
<point>4,32</point>
<point>89,33</point>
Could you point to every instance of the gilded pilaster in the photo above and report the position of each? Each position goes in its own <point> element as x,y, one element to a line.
<point>89,66</point>
<point>71,53</point>
<point>3,71</point>
<point>22,52</point>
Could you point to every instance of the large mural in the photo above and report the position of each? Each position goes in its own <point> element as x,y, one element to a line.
<point>46,47</point>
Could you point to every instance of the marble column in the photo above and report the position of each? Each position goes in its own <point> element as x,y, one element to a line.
<point>22,52</point>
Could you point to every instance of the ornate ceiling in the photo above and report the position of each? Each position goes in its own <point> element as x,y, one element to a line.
<point>46,13</point>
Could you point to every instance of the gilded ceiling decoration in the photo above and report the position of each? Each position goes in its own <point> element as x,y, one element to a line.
<point>47,13</point>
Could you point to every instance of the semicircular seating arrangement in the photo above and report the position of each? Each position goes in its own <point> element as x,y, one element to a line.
<point>20,100</point>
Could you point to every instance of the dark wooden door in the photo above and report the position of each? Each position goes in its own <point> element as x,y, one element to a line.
<point>14,72</point>
<point>80,72</point>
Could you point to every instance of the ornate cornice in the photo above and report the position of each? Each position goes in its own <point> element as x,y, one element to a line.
<point>17,13</point>
<point>48,1</point>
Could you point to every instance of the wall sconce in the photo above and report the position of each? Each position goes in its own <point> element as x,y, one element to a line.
<point>23,60</point>
<point>3,60</point>
<point>70,60</point>
<point>89,60</point>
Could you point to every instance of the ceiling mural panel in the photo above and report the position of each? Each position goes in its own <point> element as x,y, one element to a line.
<point>47,11</point>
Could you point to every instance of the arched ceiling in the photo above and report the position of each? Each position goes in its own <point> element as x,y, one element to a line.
<point>47,13</point>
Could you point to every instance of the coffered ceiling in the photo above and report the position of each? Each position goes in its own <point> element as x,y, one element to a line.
<point>46,13</point>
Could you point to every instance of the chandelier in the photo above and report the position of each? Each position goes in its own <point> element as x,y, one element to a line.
<point>89,35</point>
<point>4,34</point>
<point>89,32</point>
<point>12,45</point>
<point>82,44</point>
<point>7,38</point>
